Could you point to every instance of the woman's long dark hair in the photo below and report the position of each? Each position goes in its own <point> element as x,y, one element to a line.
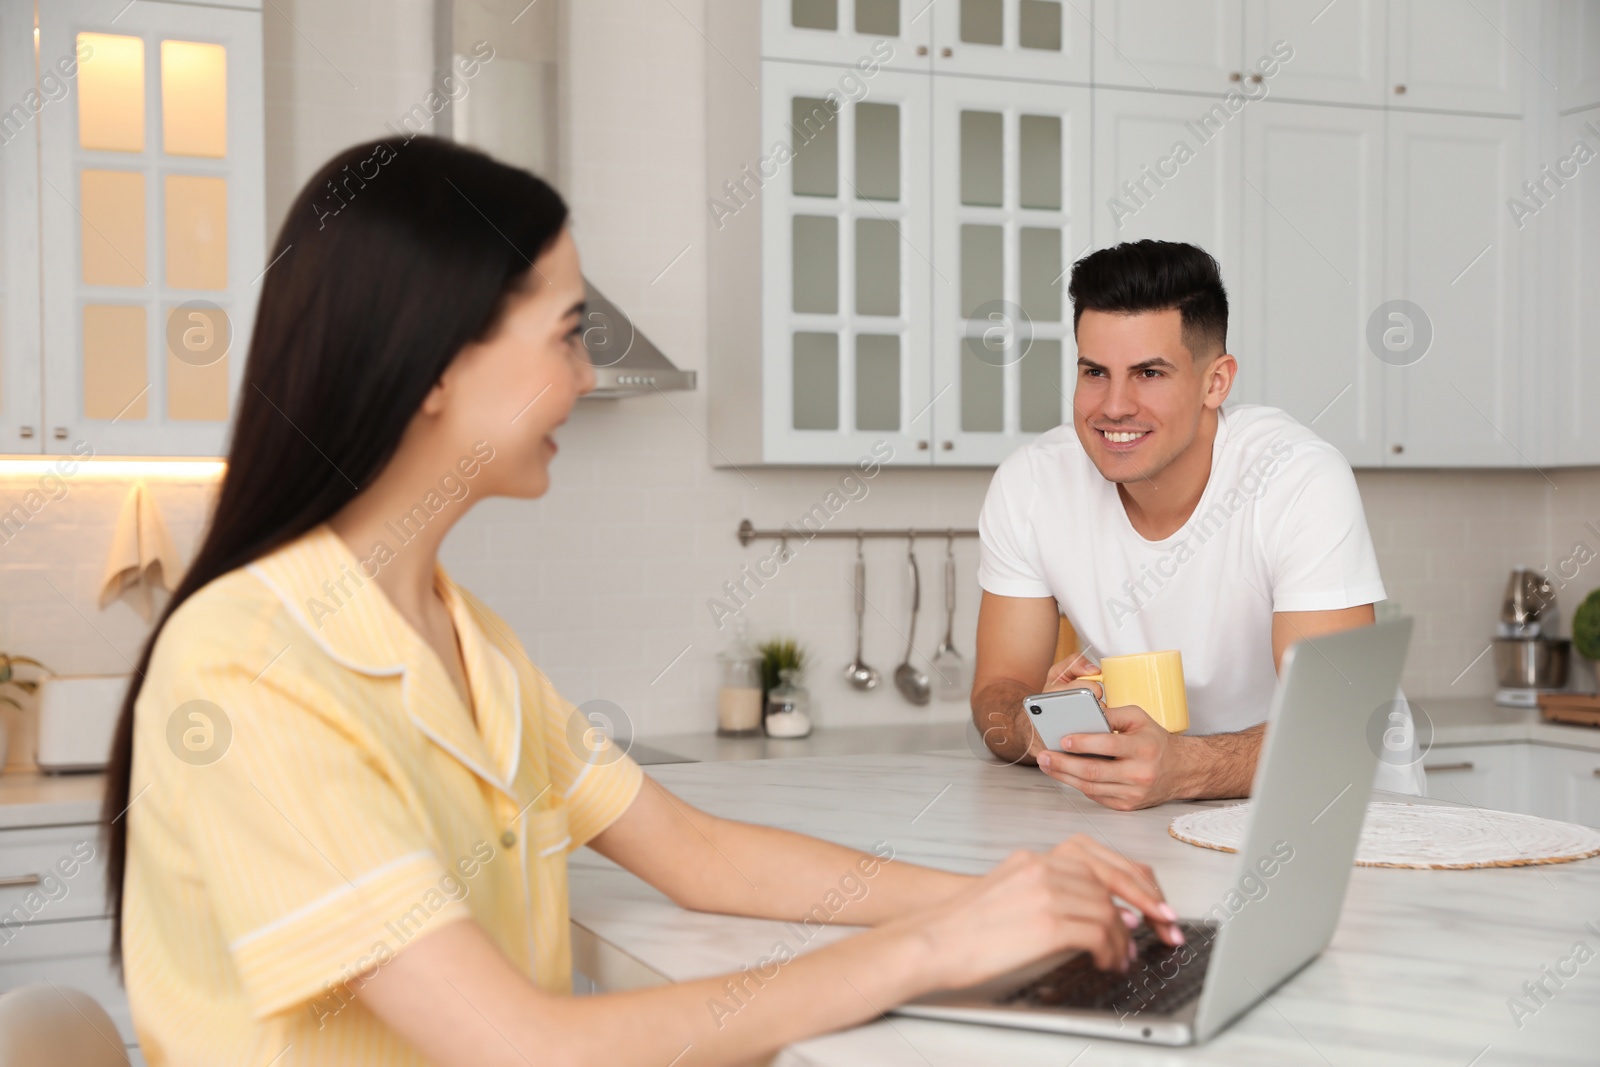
<point>394,256</point>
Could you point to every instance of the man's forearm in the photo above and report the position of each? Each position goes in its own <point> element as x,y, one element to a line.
<point>997,714</point>
<point>1216,766</point>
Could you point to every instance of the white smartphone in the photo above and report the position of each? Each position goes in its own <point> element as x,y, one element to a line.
<point>1068,711</point>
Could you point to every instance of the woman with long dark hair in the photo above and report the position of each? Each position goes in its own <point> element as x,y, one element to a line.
<point>341,797</point>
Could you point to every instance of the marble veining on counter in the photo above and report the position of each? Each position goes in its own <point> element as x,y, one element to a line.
<point>1423,968</point>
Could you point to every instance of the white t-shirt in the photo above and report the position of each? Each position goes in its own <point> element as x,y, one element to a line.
<point>1279,527</point>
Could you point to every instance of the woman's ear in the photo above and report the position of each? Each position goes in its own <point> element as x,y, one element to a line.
<point>434,402</point>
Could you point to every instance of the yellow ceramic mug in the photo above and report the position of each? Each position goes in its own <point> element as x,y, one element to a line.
<point>1152,680</point>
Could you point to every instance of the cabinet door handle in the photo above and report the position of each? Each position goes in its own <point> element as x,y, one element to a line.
<point>19,881</point>
<point>1464,765</point>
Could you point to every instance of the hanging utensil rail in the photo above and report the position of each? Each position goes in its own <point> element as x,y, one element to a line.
<point>748,533</point>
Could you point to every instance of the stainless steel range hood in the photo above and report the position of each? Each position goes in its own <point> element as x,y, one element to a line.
<point>626,363</point>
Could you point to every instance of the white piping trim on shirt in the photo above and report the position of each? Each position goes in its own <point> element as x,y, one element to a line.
<point>458,754</point>
<point>516,706</point>
<point>576,782</point>
<point>559,846</point>
<point>327,898</point>
<point>305,624</point>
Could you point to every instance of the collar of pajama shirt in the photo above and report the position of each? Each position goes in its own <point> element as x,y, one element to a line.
<point>311,794</point>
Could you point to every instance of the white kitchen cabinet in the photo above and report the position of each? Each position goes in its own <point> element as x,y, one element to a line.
<point>53,925</point>
<point>1484,776</point>
<point>1579,78</point>
<point>1454,370</point>
<point>845,31</point>
<point>151,211</point>
<point>1158,44</point>
<point>1011,212</point>
<point>1325,199</point>
<point>845,268</point>
<point>1572,220</point>
<point>1448,56</point>
<point>1564,783</point>
<point>1339,49</point>
<point>1145,186</point>
<point>19,228</point>
<point>1040,40</point>
<point>1549,781</point>
<point>1313,220</point>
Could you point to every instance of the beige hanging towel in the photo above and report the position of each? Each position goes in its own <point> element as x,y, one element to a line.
<point>142,555</point>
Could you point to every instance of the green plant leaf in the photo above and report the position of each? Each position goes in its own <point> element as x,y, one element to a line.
<point>1586,627</point>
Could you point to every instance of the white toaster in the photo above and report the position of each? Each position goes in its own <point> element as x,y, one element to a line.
<point>77,716</point>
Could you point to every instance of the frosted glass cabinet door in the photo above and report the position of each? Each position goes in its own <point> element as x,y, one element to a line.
<point>153,223</point>
<point>1011,196</point>
<point>20,410</point>
<point>893,33</point>
<point>1193,45</point>
<point>1041,40</point>
<point>1313,217</point>
<point>845,253</point>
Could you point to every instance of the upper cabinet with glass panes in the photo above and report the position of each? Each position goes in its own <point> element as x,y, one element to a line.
<point>921,172</point>
<point>148,155</point>
<point>1041,40</point>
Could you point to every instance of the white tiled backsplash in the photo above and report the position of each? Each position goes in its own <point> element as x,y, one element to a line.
<point>607,580</point>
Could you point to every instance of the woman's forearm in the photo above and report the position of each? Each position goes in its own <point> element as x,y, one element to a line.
<point>800,878</point>
<point>710,864</point>
<point>776,1000</point>
<point>458,1000</point>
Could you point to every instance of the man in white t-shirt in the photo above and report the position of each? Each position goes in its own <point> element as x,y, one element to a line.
<point>1161,520</point>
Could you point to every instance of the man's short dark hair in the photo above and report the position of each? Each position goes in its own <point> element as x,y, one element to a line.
<point>1156,276</point>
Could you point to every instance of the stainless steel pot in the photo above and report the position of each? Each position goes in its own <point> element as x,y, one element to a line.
<point>1532,662</point>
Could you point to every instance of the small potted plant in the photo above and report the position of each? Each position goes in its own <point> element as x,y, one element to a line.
<point>788,705</point>
<point>8,677</point>
<point>1586,628</point>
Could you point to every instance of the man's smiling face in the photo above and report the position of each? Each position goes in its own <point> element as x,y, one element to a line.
<point>1140,394</point>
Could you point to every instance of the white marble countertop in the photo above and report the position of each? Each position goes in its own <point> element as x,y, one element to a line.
<point>28,798</point>
<point>1420,969</point>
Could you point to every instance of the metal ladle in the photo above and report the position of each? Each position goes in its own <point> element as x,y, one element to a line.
<point>912,683</point>
<point>856,672</point>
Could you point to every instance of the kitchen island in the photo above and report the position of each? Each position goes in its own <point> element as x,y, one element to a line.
<point>1424,966</point>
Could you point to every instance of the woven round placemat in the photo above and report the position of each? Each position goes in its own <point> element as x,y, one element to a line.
<point>1422,836</point>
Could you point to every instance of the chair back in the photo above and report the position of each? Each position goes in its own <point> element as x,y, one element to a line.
<point>51,1026</point>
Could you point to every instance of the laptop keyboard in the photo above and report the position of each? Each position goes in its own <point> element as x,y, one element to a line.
<point>1162,979</point>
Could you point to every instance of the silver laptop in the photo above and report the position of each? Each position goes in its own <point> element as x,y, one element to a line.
<point>1289,878</point>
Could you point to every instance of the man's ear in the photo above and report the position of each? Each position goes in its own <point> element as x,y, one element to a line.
<point>1219,379</point>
